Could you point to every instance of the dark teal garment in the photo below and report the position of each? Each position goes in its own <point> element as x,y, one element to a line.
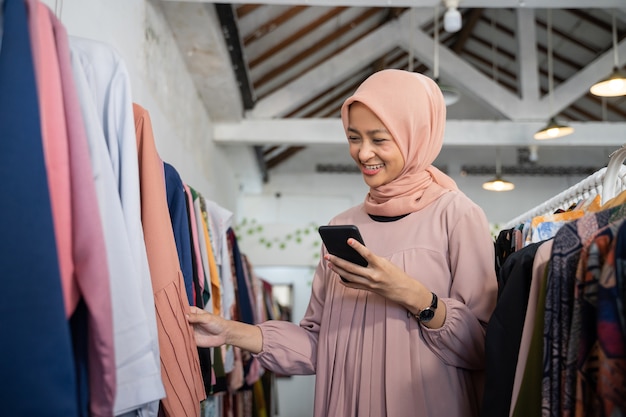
<point>36,361</point>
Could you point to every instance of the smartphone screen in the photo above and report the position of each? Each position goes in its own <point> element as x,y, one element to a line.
<point>335,239</point>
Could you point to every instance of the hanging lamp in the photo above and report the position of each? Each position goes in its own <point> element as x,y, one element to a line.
<point>553,129</point>
<point>615,84</point>
<point>452,19</point>
<point>450,94</point>
<point>498,183</point>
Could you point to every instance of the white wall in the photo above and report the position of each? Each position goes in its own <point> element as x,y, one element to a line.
<point>160,83</point>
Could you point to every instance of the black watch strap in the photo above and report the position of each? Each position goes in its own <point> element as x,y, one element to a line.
<point>427,314</point>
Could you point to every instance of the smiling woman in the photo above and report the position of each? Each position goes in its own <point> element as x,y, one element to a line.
<point>418,309</point>
<point>372,147</point>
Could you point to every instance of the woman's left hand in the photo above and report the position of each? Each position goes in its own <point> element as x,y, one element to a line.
<point>379,276</point>
<point>387,280</point>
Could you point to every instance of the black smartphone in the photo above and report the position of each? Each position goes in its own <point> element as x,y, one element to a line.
<point>335,239</point>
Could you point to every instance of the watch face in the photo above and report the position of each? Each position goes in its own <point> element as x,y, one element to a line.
<point>427,315</point>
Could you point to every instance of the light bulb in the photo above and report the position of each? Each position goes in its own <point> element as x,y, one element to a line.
<point>498,184</point>
<point>553,132</point>
<point>452,20</point>
<point>616,84</point>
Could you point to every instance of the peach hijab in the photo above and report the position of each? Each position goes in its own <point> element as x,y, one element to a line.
<point>412,108</point>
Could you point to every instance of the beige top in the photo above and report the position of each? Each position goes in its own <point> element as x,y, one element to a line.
<point>369,357</point>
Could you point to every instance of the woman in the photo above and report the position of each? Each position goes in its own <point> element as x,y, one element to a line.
<point>403,336</point>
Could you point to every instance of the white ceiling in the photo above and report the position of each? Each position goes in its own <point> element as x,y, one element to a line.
<point>488,115</point>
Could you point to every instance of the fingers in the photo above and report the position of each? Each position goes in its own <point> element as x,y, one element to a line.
<point>196,315</point>
<point>360,248</point>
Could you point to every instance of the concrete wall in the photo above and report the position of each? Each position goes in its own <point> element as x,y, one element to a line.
<point>160,83</point>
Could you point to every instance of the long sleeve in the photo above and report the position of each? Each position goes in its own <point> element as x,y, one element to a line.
<point>349,335</point>
<point>179,355</point>
<point>472,292</point>
<point>137,359</point>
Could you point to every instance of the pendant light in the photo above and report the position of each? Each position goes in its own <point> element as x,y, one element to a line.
<point>553,129</point>
<point>497,183</point>
<point>452,19</point>
<point>450,94</point>
<point>615,84</point>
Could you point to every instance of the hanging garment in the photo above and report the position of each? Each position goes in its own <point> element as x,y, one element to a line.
<point>213,277</point>
<point>198,268</point>
<point>138,369</point>
<point>559,384</point>
<point>180,225</point>
<point>504,331</point>
<point>539,276</point>
<point>36,353</point>
<point>89,255</point>
<point>179,356</point>
<point>595,364</point>
<point>55,145</point>
<point>203,239</point>
<point>222,220</point>
<point>78,231</point>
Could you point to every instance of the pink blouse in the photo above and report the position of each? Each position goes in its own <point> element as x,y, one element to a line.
<point>369,358</point>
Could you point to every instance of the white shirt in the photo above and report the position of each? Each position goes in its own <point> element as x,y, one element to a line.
<point>103,87</point>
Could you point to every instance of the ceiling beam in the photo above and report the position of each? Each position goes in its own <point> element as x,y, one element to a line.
<point>463,75</point>
<point>227,19</point>
<point>578,84</point>
<point>327,74</point>
<point>527,55</point>
<point>303,132</point>
<point>499,4</point>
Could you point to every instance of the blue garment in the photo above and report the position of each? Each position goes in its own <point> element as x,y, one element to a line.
<point>36,360</point>
<point>177,205</point>
<point>246,310</point>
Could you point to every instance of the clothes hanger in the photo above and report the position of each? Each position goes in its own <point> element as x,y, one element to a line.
<point>616,160</point>
<point>58,8</point>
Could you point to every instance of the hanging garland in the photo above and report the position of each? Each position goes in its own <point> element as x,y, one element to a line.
<point>250,229</point>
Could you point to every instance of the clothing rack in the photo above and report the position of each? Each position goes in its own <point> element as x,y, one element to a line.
<point>607,182</point>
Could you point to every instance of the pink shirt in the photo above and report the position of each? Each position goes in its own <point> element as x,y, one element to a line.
<point>78,230</point>
<point>55,146</point>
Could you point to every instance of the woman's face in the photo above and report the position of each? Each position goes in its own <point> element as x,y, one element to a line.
<point>372,147</point>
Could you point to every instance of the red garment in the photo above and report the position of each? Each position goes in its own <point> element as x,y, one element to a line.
<point>180,365</point>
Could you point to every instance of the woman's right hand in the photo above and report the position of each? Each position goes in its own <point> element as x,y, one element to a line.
<point>209,329</point>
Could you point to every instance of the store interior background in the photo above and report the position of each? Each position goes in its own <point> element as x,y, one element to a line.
<point>203,129</point>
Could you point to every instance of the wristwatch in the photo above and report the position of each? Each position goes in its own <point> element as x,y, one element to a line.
<point>428,313</point>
